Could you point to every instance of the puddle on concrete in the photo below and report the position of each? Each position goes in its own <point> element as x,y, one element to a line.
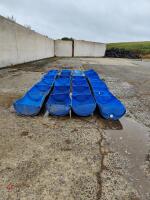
<point>133,142</point>
<point>6,100</point>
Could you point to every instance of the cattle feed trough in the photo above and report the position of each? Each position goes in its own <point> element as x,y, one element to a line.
<point>70,90</point>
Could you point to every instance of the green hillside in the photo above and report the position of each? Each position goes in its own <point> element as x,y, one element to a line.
<point>138,47</point>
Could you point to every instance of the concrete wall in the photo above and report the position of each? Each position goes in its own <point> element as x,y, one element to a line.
<point>19,44</point>
<point>89,49</point>
<point>63,48</point>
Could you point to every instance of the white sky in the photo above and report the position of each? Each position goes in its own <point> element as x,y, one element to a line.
<point>96,20</point>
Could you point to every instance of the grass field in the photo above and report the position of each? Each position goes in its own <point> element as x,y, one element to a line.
<point>142,48</point>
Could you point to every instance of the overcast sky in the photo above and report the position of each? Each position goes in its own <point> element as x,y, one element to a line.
<point>96,20</point>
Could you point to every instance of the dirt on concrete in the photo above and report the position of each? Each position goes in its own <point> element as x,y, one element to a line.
<point>78,158</point>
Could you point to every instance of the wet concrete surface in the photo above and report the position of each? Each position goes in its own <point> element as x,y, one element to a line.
<point>133,142</point>
<point>77,158</point>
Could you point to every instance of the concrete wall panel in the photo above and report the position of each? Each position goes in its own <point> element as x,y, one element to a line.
<point>63,48</point>
<point>89,49</point>
<point>19,44</point>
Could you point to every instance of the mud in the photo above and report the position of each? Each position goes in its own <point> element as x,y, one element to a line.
<point>77,158</point>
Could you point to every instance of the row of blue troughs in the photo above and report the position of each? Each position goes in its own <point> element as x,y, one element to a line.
<point>66,90</point>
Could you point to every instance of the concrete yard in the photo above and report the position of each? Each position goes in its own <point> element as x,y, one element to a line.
<point>58,158</point>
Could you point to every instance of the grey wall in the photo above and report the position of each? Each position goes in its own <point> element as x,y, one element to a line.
<point>89,49</point>
<point>19,44</point>
<point>63,48</point>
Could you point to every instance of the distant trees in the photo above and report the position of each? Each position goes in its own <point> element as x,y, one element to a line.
<point>68,39</point>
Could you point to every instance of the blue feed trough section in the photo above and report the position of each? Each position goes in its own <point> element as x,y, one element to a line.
<point>83,103</point>
<point>75,89</point>
<point>77,73</point>
<point>59,101</point>
<point>109,106</point>
<point>65,73</point>
<point>31,103</point>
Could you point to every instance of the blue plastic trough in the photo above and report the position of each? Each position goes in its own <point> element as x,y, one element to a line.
<point>59,102</point>
<point>77,73</point>
<point>78,78</point>
<point>79,81</point>
<point>31,103</point>
<point>65,73</point>
<point>109,106</point>
<point>83,103</point>
<point>62,85</point>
